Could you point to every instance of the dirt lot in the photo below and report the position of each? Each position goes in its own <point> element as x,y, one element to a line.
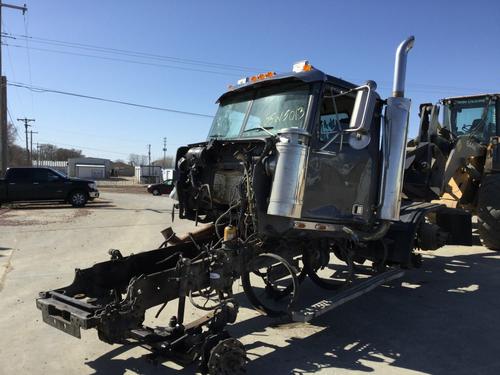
<point>441,319</point>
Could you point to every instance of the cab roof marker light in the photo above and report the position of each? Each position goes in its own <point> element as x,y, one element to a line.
<point>255,78</point>
<point>242,81</point>
<point>302,66</point>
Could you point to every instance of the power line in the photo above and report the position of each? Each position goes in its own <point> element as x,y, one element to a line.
<point>429,88</point>
<point>123,60</point>
<point>434,88</point>
<point>90,47</point>
<point>53,91</point>
<point>29,59</point>
<point>83,133</point>
<point>21,102</point>
<point>416,87</point>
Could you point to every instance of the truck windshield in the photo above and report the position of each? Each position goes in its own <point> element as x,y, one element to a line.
<point>473,116</point>
<point>268,112</point>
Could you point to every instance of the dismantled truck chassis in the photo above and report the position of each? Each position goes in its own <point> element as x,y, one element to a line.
<point>301,176</point>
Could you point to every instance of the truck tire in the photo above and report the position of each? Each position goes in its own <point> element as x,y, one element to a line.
<point>488,211</point>
<point>78,198</point>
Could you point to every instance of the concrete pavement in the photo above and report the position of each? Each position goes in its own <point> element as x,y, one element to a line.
<point>439,319</point>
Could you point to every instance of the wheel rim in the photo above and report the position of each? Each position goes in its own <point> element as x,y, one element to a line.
<point>78,198</point>
<point>329,270</point>
<point>272,296</point>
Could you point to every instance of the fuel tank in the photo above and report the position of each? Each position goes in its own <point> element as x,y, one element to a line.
<point>287,193</point>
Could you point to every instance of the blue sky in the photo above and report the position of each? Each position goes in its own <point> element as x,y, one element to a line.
<point>457,52</point>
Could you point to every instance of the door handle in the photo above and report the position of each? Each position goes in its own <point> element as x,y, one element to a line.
<point>36,183</point>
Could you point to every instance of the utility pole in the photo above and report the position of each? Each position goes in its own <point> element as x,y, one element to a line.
<point>37,154</point>
<point>26,124</point>
<point>31,145</point>
<point>149,159</point>
<point>165,152</point>
<point>3,96</point>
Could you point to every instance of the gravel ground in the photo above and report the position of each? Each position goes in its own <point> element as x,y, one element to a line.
<point>440,319</point>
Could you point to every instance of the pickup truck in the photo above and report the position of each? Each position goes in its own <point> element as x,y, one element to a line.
<point>45,184</point>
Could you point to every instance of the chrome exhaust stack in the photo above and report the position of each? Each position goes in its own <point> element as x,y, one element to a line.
<point>395,138</point>
<point>398,86</point>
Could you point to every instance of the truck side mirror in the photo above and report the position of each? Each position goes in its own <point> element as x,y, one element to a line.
<point>364,106</point>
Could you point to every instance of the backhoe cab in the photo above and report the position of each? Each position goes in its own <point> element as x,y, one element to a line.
<point>455,159</point>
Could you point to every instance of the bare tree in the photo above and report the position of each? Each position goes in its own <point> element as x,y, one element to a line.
<point>136,159</point>
<point>52,152</point>
<point>16,154</point>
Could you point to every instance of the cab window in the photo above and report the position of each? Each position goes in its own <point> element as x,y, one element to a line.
<point>20,176</point>
<point>44,175</point>
<point>474,117</point>
<point>335,114</point>
<point>40,175</point>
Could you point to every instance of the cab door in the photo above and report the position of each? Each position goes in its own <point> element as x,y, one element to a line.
<point>48,185</point>
<point>342,182</point>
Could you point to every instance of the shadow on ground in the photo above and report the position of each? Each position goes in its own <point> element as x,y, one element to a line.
<point>57,206</point>
<point>101,205</point>
<point>439,319</point>
<point>109,364</point>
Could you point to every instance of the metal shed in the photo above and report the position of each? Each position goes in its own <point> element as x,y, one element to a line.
<point>91,168</point>
<point>90,171</point>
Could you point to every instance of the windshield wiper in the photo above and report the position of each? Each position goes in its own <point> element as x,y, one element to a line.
<point>260,128</point>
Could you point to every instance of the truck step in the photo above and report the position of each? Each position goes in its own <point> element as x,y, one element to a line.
<point>307,314</point>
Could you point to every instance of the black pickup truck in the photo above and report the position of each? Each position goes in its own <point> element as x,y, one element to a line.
<point>45,184</point>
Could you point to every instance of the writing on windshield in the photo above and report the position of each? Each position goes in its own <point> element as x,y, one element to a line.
<point>264,114</point>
